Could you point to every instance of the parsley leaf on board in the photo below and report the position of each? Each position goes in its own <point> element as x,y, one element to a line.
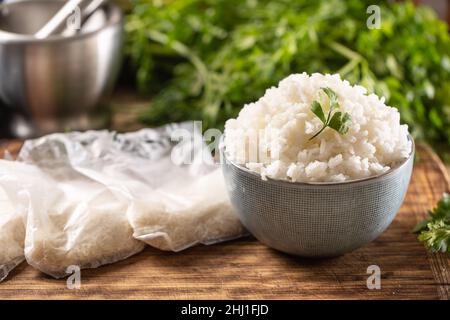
<point>435,231</point>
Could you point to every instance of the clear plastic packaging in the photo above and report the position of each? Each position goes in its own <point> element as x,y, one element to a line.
<point>12,234</point>
<point>178,218</point>
<point>73,221</point>
<point>101,196</point>
<point>13,207</point>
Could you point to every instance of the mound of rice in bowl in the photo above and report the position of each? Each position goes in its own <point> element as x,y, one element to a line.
<point>276,136</point>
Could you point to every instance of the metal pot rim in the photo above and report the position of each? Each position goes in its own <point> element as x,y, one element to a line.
<point>373,178</point>
<point>114,19</point>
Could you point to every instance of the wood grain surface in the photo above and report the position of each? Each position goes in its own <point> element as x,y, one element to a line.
<point>246,269</point>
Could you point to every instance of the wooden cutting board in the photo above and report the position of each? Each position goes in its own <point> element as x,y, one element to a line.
<point>246,269</point>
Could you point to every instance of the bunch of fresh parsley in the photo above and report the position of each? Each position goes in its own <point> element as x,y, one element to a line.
<point>204,59</point>
<point>435,231</point>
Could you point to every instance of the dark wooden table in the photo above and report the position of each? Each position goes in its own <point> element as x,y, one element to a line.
<point>246,269</point>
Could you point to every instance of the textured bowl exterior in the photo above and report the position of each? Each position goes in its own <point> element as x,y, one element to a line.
<point>316,220</point>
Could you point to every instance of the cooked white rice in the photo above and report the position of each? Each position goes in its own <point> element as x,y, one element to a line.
<point>271,136</point>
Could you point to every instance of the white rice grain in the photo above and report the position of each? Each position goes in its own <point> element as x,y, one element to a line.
<point>283,123</point>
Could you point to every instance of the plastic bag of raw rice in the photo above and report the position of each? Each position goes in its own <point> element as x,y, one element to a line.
<point>14,203</point>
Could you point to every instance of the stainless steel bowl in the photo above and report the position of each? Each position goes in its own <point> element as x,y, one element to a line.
<point>59,82</point>
<point>316,219</point>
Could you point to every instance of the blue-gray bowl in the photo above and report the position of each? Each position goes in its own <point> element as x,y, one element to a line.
<point>316,219</point>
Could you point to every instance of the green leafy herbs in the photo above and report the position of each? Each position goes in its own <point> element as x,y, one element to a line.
<point>337,120</point>
<point>434,232</point>
<point>204,59</point>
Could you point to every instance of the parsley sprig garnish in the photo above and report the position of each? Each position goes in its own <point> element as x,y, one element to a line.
<point>435,231</point>
<point>337,120</point>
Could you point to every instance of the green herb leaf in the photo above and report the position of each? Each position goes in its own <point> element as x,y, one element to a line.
<point>316,108</point>
<point>339,121</point>
<point>422,225</point>
<point>435,232</point>
<point>437,236</point>
<point>442,210</point>
<point>332,96</point>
